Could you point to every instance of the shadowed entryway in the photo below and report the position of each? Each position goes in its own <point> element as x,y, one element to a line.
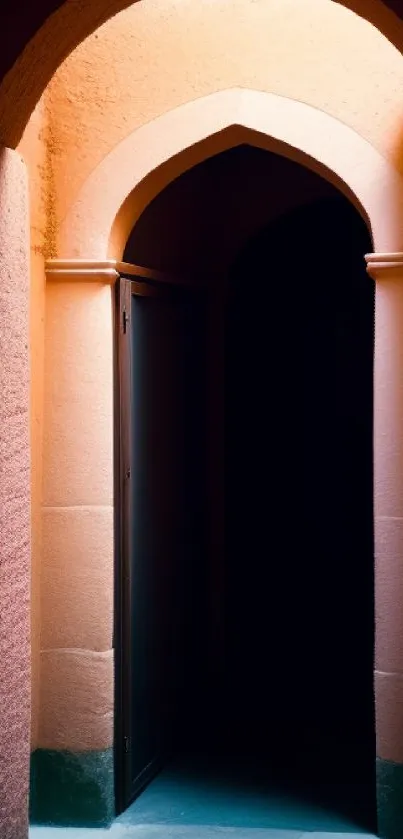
<point>250,514</point>
<point>299,535</point>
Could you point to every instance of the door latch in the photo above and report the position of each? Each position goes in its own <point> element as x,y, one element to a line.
<point>126,321</point>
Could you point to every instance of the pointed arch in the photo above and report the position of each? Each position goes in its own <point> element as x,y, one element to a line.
<point>130,176</point>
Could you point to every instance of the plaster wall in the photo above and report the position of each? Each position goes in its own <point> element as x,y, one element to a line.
<point>156,56</point>
<point>77,571</point>
<point>34,152</point>
<point>60,569</point>
<point>29,55</point>
<point>169,55</point>
<point>15,525</point>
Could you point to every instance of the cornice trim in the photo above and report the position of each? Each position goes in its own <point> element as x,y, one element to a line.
<point>82,270</point>
<point>384,266</point>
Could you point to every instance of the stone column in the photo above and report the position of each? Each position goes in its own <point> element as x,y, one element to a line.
<point>387,270</point>
<point>72,770</point>
<point>14,498</point>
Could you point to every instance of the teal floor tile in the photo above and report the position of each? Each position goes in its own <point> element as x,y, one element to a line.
<point>204,832</point>
<point>195,802</point>
<point>324,835</point>
<point>190,796</point>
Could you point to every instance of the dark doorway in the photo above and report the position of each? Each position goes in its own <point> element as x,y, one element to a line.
<point>248,660</point>
<point>299,561</point>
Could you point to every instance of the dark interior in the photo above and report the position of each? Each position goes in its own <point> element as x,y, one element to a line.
<point>299,558</point>
<point>261,651</point>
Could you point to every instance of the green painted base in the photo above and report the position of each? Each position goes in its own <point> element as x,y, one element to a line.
<point>72,788</point>
<point>389,781</point>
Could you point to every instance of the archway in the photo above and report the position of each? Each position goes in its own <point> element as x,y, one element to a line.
<point>170,145</point>
<point>201,219</point>
<point>28,63</point>
<point>99,222</point>
<point>14,265</point>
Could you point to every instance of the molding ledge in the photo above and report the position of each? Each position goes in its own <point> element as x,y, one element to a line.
<point>82,270</point>
<point>107,271</point>
<point>384,266</point>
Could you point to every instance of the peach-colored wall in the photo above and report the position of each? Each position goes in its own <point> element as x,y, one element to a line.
<point>148,159</point>
<point>23,85</point>
<point>165,78</point>
<point>160,54</point>
<point>33,150</point>
<point>77,566</point>
<point>387,270</point>
<point>14,497</point>
<point>69,24</point>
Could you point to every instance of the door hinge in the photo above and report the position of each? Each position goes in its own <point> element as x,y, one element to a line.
<point>126,744</point>
<point>125,321</point>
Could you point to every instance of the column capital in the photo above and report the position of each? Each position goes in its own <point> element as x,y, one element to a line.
<point>82,270</point>
<point>385,266</point>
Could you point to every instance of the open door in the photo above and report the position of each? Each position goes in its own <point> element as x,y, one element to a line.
<point>160,519</point>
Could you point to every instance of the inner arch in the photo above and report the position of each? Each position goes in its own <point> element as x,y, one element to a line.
<point>282,666</point>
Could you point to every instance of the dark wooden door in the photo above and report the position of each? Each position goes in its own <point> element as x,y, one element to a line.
<point>161,355</point>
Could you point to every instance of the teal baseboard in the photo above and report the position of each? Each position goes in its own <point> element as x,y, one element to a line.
<point>389,782</point>
<point>72,788</point>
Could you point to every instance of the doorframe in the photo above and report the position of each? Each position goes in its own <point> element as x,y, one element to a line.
<point>145,282</point>
<point>126,281</point>
<point>121,455</point>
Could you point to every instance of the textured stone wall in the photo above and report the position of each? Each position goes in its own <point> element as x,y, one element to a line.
<point>31,53</point>
<point>33,151</point>
<point>14,498</point>
<point>176,51</point>
<point>77,567</point>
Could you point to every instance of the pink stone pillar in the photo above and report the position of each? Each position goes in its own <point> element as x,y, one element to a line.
<point>387,270</point>
<point>14,499</point>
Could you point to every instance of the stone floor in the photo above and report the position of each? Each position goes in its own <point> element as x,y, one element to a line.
<point>155,831</point>
<point>186,804</point>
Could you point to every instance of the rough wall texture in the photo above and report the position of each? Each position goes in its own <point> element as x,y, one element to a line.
<point>48,30</point>
<point>33,151</point>
<point>72,768</point>
<point>77,573</point>
<point>172,53</point>
<point>15,523</point>
<point>34,65</point>
<point>136,170</point>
